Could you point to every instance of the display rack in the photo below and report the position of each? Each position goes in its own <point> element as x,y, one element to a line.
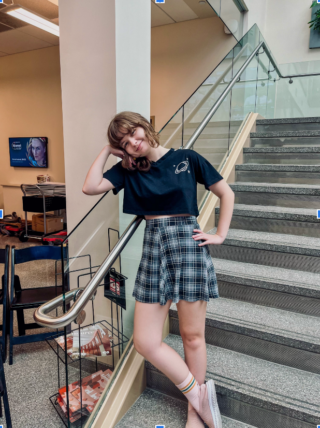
<point>41,198</point>
<point>79,369</point>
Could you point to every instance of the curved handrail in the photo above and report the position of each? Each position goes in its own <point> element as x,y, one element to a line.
<point>40,315</point>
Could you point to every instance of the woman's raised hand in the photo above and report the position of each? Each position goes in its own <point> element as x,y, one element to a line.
<point>116,152</point>
<point>120,154</point>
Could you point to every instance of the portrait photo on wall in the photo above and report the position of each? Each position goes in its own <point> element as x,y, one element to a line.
<point>30,152</point>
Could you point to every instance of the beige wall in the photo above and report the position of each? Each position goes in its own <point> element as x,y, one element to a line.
<point>284,24</point>
<point>30,105</point>
<point>182,56</point>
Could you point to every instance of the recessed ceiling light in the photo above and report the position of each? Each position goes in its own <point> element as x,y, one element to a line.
<point>202,2</point>
<point>25,15</point>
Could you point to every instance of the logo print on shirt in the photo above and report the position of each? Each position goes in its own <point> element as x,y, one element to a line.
<point>183,166</point>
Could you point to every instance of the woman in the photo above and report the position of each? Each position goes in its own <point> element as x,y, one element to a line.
<point>37,151</point>
<point>176,265</point>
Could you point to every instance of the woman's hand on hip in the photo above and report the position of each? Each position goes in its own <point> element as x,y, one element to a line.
<point>209,239</point>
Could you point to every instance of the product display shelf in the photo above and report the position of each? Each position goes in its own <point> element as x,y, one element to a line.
<point>117,339</point>
<point>80,368</point>
<point>83,376</point>
<point>77,424</point>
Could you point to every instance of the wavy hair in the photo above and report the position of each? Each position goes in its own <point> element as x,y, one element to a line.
<point>122,124</point>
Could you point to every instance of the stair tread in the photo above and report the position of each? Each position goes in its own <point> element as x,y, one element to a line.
<point>276,239</point>
<point>288,120</point>
<point>286,185</point>
<point>293,281</point>
<point>284,327</point>
<point>288,188</point>
<point>277,167</point>
<point>284,134</point>
<point>296,149</point>
<point>266,211</point>
<point>262,382</point>
<point>147,412</point>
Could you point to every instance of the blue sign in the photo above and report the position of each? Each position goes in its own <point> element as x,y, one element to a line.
<point>163,1</point>
<point>318,216</point>
<point>1,1</point>
<point>160,426</point>
<point>1,217</point>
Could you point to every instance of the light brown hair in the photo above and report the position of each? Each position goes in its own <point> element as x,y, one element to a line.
<point>122,124</point>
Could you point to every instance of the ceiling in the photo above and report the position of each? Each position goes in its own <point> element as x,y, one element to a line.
<point>17,36</point>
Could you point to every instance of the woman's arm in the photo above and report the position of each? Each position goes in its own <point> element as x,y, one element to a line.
<point>95,183</point>
<point>226,195</point>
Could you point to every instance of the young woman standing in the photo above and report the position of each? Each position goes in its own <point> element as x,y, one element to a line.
<point>176,266</point>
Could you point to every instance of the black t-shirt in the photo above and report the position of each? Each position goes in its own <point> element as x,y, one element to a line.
<point>169,187</point>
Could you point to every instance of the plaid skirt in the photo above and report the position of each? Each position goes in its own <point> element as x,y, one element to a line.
<point>173,266</point>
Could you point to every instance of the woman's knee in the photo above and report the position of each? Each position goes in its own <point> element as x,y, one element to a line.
<point>193,339</point>
<point>145,346</point>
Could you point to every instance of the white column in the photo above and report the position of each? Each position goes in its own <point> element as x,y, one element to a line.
<point>133,59</point>
<point>105,69</point>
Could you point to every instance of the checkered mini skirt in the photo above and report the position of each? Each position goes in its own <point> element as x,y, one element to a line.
<point>173,266</point>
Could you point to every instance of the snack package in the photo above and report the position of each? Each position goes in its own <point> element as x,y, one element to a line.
<point>92,340</point>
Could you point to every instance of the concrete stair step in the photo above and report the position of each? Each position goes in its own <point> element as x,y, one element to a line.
<point>270,173</point>
<point>272,334</point>
<point>291,290</point>
<point>291,124</point>
<point>154,408</point>
<point>282,155</point>
<point>277,194</point>
<point>253,390</point>
<point>277,168</point>
<point>269,249</point>
<point>308,138</point>
<point>213,124</point>
<point>284,220</point>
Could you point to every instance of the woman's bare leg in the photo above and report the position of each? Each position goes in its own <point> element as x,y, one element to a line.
<point>149,320</point>
<point>192,317</point>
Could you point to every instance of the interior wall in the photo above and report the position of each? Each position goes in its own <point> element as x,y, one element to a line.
<point>30,105</point>
<point>182,56</point>
<point>284,24</point>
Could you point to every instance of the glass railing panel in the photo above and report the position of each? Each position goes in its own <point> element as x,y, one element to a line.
<point>298,97</point>
<point>263,102</point>
<point>216,6</point>
<point>230,13</point>
<point>232,17</point>
<point>200,102</point>
<point>171,134</point>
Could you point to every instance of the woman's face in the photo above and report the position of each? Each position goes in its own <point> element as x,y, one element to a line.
<point>136,144</point>
<point>38,151</point>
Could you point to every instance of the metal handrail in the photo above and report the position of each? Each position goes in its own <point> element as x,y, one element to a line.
<point>40,314</point>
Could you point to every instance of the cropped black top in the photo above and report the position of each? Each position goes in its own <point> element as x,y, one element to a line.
<point>169,187</point>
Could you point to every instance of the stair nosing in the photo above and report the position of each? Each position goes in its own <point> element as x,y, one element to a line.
<point>277,167</point>
<point>285,134</point>
<point>284,213</point>
<point>282,188</point>
<point>298,149</point>
<point>288,120</point>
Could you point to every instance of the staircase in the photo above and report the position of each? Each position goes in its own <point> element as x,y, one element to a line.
<point>263,333</point>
